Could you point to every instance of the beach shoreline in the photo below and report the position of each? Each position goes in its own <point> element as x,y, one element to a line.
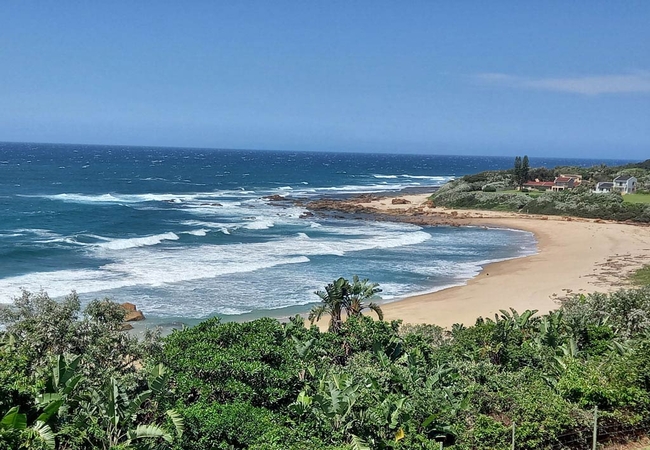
<point>575,256</point>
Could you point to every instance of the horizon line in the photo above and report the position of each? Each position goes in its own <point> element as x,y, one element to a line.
<point>532,155</point>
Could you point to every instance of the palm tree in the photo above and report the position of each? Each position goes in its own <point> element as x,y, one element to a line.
<point>360,291</point>
<point>341,296</point>
<point>333,301</point>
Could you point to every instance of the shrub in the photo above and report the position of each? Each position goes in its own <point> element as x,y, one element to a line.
<point>226,362</point>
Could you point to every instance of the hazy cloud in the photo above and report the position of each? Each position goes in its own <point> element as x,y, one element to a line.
<point>638,82</point>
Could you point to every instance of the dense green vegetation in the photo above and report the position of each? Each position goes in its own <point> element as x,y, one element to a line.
<point>71,379</point>
<point>495,190</point>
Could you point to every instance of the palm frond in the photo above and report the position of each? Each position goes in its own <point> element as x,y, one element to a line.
<point>149,432</point>
<point>359,444</point>
<point>45,433</point>
<point>177,419</point>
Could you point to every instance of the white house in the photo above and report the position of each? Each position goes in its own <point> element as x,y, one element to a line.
<point>604,186</point>
<point>625,184</point>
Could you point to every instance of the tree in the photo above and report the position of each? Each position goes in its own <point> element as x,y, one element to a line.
<point>332,302</point>
<point>360,291</point>
<point>41,327</point>
<point>521,170</point>
<point>525,169</point>
<point>517,170</point>
<point>341,296</point>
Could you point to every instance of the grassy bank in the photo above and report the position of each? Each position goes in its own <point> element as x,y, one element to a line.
<point>495,190</point>
<point>642,276</point>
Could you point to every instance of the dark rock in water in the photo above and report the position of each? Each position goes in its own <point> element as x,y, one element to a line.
<point>275,198</point>
<point>211,204</point>
<point>337,205</point>
<point>306,215</point>
<point>400,201</point>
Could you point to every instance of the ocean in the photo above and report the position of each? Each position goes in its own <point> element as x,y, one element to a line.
<point>187,234</point>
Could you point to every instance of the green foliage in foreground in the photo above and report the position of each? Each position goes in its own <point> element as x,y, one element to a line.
<point>266,385</point>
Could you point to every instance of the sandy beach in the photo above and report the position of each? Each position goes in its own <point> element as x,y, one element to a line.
<point>575,256</point>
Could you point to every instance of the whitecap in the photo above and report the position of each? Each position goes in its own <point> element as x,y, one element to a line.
<point>123,244</point>
<point>201,232</point>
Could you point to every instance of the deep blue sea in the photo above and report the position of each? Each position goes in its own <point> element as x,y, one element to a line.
<point>186,233</point>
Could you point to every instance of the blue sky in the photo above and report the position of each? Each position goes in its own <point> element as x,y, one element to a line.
<point>551,78</point>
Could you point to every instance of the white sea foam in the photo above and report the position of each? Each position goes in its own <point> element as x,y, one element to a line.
<point>123,244</point>
<point>201,232</point>
<point>428,177</point>
<point>144,265</point>
<point>145,197</point>
<point>259,224</point>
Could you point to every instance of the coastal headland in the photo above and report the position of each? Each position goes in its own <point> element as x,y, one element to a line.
<point>575,256</point>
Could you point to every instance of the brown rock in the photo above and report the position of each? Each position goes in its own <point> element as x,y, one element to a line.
<point>400,201</point>
<point>129,307</point>
<point>134,316</point>
<point>126,327</point>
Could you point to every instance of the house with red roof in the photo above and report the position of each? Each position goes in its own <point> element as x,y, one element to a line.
<point>539,185</point>
<point>563,183</point>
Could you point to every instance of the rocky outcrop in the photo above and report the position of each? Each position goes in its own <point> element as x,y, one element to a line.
<point>132,313</point>
<point>400,201</point>
<point>129,307</point>
<point>339,205</point>
<point>134,316</point>
<point>275,198</point>
<point>365,198</point>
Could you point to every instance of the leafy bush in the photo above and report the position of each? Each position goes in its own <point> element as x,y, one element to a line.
<point>264,385</point>
<point>227,362</point>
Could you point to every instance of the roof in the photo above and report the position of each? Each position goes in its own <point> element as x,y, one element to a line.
<point>623,177</point>
<point>605,184</point>
<point>539,183</point>
<point>563,179</point>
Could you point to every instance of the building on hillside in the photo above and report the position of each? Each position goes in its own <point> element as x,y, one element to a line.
<point>562,183</point>
<point>604,186</point>
<point>577,179</point>
<point>539,185</point>
<point>625,184</point>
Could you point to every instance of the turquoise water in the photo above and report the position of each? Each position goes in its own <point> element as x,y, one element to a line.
<point>186,233</point>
